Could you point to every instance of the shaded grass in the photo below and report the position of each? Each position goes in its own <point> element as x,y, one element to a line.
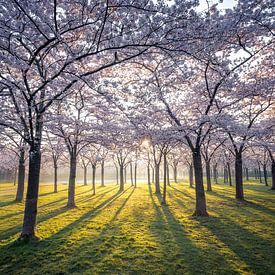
<point>131,232</point>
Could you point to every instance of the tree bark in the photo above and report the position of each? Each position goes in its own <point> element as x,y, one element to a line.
<point>21,176</point>
<point>93,177</point>
<point>117,177</point>
<point>175,170</point>
<point>131,174</point>
<point>273,175</point>
<point>148,174</point>
<point>246,174</point>
<point>164,178</point>
<point>157,186</point>
<point>239,176</point>
<point>30,213</point>
<point>215,172</point>
<point>72,177</point>
<point>191,176</point>
<point>260,173</point>
<point>85,175</point>
<point>135,175</point>
<point>125,174</point>
<point>102,173</point>
<point>229,173</point>
<point>55,177</point>
<point>200,194</point>
<point>121,171</point>
<point>208,176</point>
<point>265,174</point>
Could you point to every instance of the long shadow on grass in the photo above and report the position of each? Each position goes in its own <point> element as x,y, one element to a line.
<point>246,204</point>
<point>190,258</point>
<point>182,192</point>
<point>252,249</point>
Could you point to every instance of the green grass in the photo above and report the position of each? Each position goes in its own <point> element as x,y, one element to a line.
<point>132,233</point>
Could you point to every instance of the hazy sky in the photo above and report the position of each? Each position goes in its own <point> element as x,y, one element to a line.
<point>226,4</point>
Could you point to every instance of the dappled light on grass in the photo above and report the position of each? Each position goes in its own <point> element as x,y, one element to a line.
<point>132,232</point>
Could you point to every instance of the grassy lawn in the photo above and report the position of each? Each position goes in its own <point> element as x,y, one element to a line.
<point>132,233</point>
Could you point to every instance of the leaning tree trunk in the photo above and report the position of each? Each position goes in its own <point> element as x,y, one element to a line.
<point>273,175</point>
<point>157,186</point>
<point>164,178</point>
<point>72,177</point>
<point>148,174</point>
<point>21,176</point>
<point>229,173</point>
<point>191,176</point>
<point>93,177</point>
<point>239,175</point>
<point>102,174</point>
<point>30,213</point>
<point>265,174</point>
<point>200,194</point>
<point>85,175</point>
<point>55,176</point>
<point>121,172</point>
<point>208,175</point>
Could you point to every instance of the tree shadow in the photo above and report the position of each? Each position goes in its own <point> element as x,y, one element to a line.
<point>182,192</point>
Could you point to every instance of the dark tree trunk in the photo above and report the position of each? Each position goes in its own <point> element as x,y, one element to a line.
<point>191,176</point>
<point>93,177</point>
<point>246,174</point>
<point>273,175</point>
<point>215,172</point>
<point>200,194</point>
<point>208,176</point>
<point>265,174</point>
<point>168,175</point>
<point>72,177</point>
<point>148,174</point>
<point>229,173</point>
<point>131,174</point>
<point>85,175</point>
<point>164,178</point>
<point>175,170</point>
<point>55,177</point>
<point>30,213</point>
<point>225,175</point>
<point>121,177</point>
<point>102,174</point>
<point>21,176</point>
<point>117,177</point>
<point>239,176</point>
<point>256,173</point>
<point>135,175</point>
<point>260,173</point>
<point>157,186</point>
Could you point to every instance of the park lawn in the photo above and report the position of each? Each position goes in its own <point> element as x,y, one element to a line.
<point>133,233</point>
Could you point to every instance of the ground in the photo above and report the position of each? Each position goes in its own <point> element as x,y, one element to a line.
<point>133,233</point>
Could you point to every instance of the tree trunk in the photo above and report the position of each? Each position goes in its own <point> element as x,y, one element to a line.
<point>157,186</point>
<point>85,175</point>
<point>125,174</point>
<point>208,176</point>
<point>153,175</point>
<point>215,172</point>
<point>55,177</point>
<point>260,173</point>
<point>168,175</point>
<point>148,174</point>
<point>164,178</point>
<point>191,176</point>
<point>102,174</point>
<point>273,175</point>
<point>131,174</point>
<point>135,175</point>
<point>175,170</point>
<point>93,177</point>
<point>21,176</point>
<point>121,171</point>
<point>246,174</point>
<point>229,173</point>
<point>256,173</point>
<point>265,175</point>
<point>239,176</point>
<point>200,194</point>
<point>30,213</point>
<point>72,177</point>
<point>117,177</point>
